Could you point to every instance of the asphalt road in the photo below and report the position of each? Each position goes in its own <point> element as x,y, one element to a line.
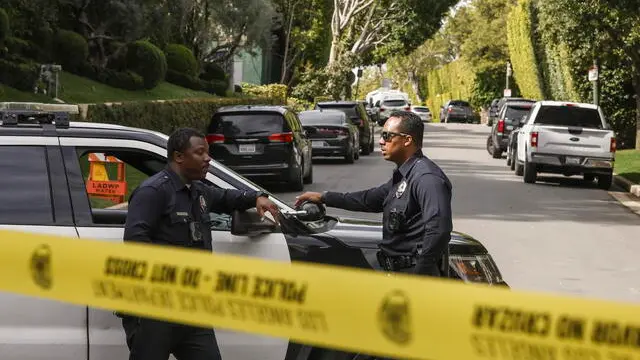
<point>558,235</point>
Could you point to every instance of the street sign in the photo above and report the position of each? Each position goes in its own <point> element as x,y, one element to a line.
<point>593,73</point>
<point>507,93</point>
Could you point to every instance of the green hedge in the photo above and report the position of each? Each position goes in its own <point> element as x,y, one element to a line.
<point>148,60</point>
<point>166,116</point>
<point>451,81</point>
<point>180,59</point>
<point>21,76</point>
<point>521,53</point>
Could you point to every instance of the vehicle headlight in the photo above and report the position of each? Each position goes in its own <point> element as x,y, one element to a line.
<point>476,268</point>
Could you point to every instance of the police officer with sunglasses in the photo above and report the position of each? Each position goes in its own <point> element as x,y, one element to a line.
<point>171,208</point>
<point>415,202</point>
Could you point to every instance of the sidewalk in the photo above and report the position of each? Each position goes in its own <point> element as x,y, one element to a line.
<point>630,197</point>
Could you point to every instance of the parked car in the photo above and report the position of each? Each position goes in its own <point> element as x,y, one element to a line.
<point>512,146</point>
<point>331,134</point>
<point>457,111</point>
<point>566,138</point>
<point>494,110</point>
<point>45,192</point>
<point>508,119</point>
<point>262,143</point>
<point>389,105</point>
<point>423,112</point>
<point>371,111</point>
<point>358,116</point>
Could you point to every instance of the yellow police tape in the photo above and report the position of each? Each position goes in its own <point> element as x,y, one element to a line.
<point>349,309</point>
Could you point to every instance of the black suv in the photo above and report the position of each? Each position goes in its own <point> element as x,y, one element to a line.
<point>508,119</point>
<point>357,113</point>
<point>262,142</point>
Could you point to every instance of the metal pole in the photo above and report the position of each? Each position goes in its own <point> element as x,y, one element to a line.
<point>596,84</point>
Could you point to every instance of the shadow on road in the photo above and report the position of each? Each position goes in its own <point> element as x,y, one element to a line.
<point>501,195</point>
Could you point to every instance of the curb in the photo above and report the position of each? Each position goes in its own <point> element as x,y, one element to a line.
<point>627,185</point>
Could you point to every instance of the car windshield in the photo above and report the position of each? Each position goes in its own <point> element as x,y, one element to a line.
<point>515,113</point>
<point>247,124</point>
<point>349,110</point>
<point>394,103</point>
<point>321,118</point>
<point>421,109</point>
<point>569,116</point>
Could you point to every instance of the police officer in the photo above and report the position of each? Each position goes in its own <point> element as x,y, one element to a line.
<point>171,208</point>
<point>415,202</point>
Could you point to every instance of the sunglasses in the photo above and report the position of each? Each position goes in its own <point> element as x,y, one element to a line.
<point>388,135</point>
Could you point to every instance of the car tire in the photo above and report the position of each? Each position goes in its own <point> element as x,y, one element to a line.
<point>588,178</point>
<point>530,173</point>
<point>605,181</point>
<point>371,143</point>
<point>365,149</point>
<point>309,178</point>
<point>519,168</point>
<point>490,145</point>
<point>296,181</point>
<point>512,166</point>
<point>509,157</point>
<point>350,156</point>
<point>495,153</point>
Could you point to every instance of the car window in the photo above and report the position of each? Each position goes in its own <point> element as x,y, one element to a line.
<point>26,196</point>
<point>460,103</point>
<point>569,116</point>
<point>318,119</point>
<point>514,113</point>
<point>394,103</point>
<point>421,109</point>
<point>349,110</point>
<point>247,124</point>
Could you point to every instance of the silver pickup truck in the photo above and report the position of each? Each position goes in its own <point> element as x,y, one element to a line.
<point>566,138</point>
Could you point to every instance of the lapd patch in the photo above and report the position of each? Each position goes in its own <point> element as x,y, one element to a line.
<point>41,267</point>
<point>203,204</point>
<point>394,317</point>
<point>401,188</point>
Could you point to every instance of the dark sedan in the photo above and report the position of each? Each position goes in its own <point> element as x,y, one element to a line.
<point>331,134</point>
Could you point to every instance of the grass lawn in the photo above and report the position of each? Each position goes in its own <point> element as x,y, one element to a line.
<point>77,90</point>
<point>628,165</point>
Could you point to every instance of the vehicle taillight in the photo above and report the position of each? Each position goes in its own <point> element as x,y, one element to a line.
<point>534,139</point>
<point>215,138</point>
<point>407,108</point>
<point>381,109</point>
<point>449,109</point>
<point>283,137</point>
<point>612,145</point>
<point>500,126</point>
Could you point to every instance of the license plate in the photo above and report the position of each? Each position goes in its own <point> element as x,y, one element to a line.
<point>509,127</point>
<point>247,148</point>
<point>573,160</point>
<point>317,144</point>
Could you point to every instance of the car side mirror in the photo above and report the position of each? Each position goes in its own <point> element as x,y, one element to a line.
<point>249,223</point>
<point>310,211</point>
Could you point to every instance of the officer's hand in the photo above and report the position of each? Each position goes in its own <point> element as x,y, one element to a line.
<point>263,204</point>
<point>308,196</point>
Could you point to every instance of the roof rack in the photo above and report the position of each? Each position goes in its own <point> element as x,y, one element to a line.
<point>15,113</point>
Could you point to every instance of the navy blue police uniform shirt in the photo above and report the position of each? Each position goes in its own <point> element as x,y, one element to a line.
<point>163,207</point>
<point>416,207</point>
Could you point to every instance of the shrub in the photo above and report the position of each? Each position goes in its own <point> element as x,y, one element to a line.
<point>180,59</point>
<point>184,80</point>
<point>212,71</point>
<point>21,76</point>
<point>276,91</point>
<point>165,116</point>
<point>71,50</point>
<point>5,30</point>
<point>217,87</point>
<point>147,60</point>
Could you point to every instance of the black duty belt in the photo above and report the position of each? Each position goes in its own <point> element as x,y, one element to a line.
<point>396,262</point>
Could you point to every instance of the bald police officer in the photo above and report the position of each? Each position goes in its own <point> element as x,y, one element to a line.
<point>171,208</point>
<point>415,202</point>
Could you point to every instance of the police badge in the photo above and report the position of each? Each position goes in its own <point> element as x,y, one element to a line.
<point>401,188</point>
<point>203,204</point>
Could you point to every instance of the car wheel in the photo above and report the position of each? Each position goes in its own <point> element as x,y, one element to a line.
<point>604,181</point>
<point>589,178</point>
<point>371,143</point>
<point>350,156</point>
<point>519,168</point>
<point>490,145</point>
<point>512,166</point>
<point>365,149</point>
<point>509,158</point>
<point>529,173</point>
<point>309,178</point>
<point>495,152</point>
<point>296,181</point>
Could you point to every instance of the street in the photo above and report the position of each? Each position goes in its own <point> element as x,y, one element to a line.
<point>559,236</point>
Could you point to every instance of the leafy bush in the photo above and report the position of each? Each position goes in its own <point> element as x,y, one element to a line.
<point>217,87</point>
<point>212,71</point>
<point>184,80</point>
<point>21,76</point>
<point>5,30</point>
<point>71,50</point>
<point>276,91</point>
<point>180,59</point>
<point>165,116</point>
<point>126,79</point>
<point>525,69</point>
<point>299,105</point>
<point>147,60</point>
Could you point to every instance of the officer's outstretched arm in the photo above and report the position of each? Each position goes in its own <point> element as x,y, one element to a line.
<point>224,201</point>
<point>435,204</point>
<point>144,212</point>
<point>370,200</point>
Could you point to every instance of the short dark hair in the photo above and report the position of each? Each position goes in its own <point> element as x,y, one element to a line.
<point>180,140</point>
<point>410,124</point>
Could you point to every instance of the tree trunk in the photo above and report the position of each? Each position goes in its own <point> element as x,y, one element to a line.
<point>415,85</point>
<point>333,54</point>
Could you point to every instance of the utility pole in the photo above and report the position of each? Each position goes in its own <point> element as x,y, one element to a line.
<point>594,77</point>
<point>507,90</point>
